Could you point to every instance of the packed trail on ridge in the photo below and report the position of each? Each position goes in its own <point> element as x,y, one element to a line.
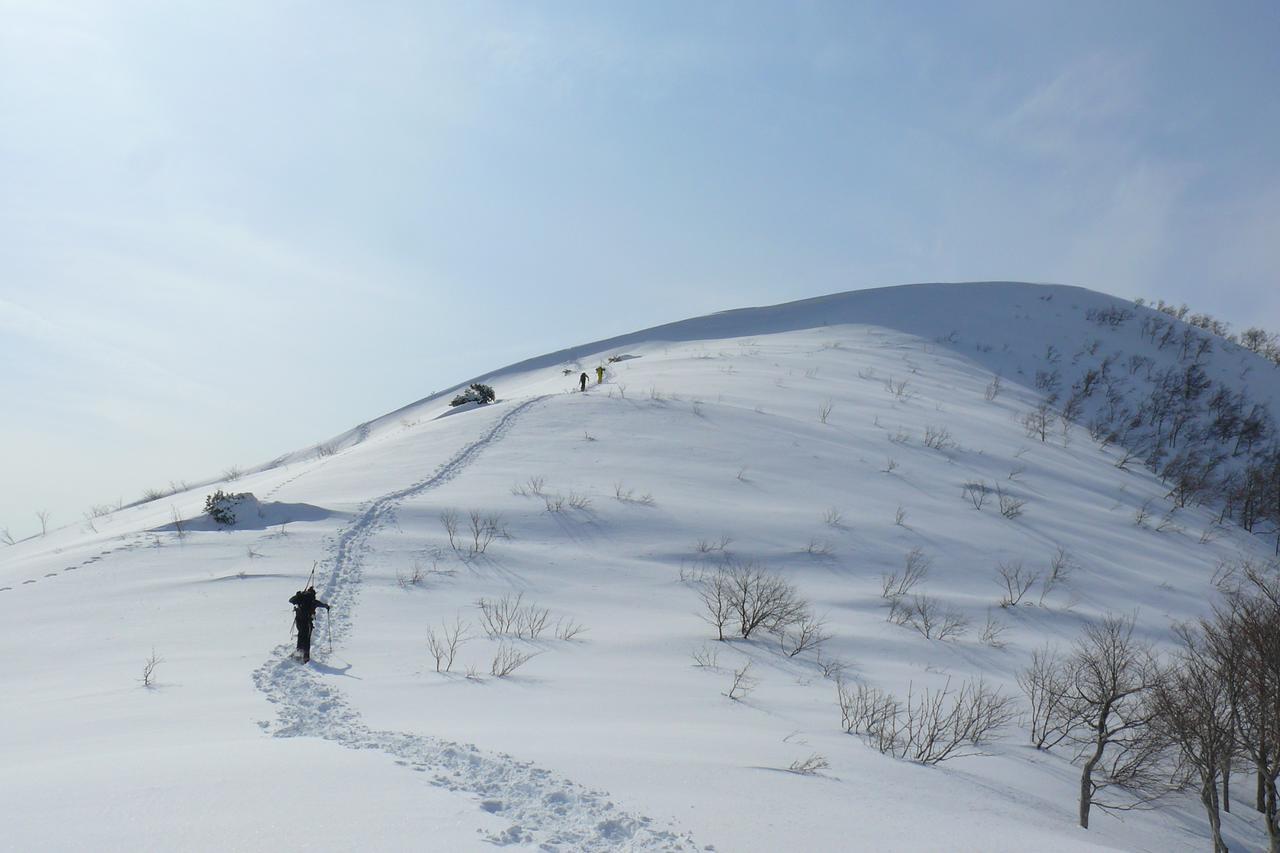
<point>540,806</point>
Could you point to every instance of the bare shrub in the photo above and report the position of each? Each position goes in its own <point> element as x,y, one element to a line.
<point>976,493</point>
<point>1044,682</point>
<point>1061,566</point>
<point>444,646</point>
<point>1015,580</point>
<point>179,525</point>
<point>554,503</point>
<point>807,633</point>
<point>890,466</point>
<point>149,669</point>
<point>6,537</point>
<point>899,389</point>
<point>824,411</point>
<point>44,515</point>
<point>743,683</point>
<point>232,473</point>
<point>1010,506</point>
<point>707,546</point>
<point>716,593</point>
<point>1142,513</point>
<point>449,520</point>
<point>751,596</point>
<point>993,388</point>
<point>915,568</point>
<point>992,631</point>
<point>1039,422</point>
<point>833,517</point>
<point>567,629</point>
<point>705,656</point>
<point>833,668</point>
<point>944,724</point>
<point>578,501</point>
<point>819,548</point>
<point>871,713</point>
<point>809,766</point>
<point>931,726</point>
<point>484,529</point>
<point>511,616</point>
<point>508,659</point>
<point>924,614</point>
<point>938,438</point>
<point>900,516</point>
<point>629,496</point>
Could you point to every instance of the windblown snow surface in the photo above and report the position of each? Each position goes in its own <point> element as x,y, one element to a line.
<point>771,434</point>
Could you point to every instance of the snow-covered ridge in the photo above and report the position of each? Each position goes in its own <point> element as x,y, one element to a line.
<point>826,439</point>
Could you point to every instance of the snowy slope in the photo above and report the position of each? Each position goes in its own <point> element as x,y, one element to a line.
<point>613,739</point>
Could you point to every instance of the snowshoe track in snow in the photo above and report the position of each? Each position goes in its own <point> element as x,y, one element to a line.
<point>541,807</point>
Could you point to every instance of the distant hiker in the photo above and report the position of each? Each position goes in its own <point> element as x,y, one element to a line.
<point>582,382</point>
<point>304,603</point>
<point>599,374</point>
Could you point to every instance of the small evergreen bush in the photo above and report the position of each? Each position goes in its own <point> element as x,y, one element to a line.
<point>476,393</point>
<point>221,505</point>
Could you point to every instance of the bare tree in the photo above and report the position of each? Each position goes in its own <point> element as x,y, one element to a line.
<point>1192,710</point>
<point>1244,636</point>
<point>1107,712</point>
<point>44,516</point>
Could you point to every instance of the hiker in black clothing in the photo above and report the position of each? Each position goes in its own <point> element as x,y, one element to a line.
<point>582,382</point>
<point>304,610</point>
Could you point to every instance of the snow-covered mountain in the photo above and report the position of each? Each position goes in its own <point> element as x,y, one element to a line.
<point>826,440</point>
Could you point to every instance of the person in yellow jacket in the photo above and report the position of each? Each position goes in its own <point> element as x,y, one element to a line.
<point>599,374</point>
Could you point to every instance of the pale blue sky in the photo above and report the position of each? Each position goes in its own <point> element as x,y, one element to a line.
<point>229,230</point>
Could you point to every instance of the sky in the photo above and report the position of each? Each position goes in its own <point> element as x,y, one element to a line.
<point>232,230</point>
